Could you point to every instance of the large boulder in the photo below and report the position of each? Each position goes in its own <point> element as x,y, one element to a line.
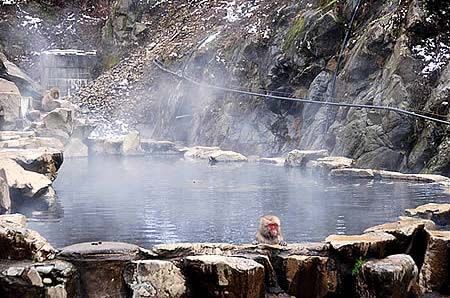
<point>101,266</point>
<point>50,279</point>
<point>46,161</point>
<point>307,276</point>
<point>155,278</point>
<point>214,153</point>
<point>20,243</point>
<point>330,163</point>
<point>131,144</point>
<point>24,183</point>
<point>159,147</point>
<point>59,119</point>
<point>435,273</point>
<point>10,105</point>
<point>299,158</point>
<point>392,277</point>
<point>353,173</point>
<point>220,276</point>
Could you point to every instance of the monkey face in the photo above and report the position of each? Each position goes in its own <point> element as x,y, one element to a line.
<point>273,229</point>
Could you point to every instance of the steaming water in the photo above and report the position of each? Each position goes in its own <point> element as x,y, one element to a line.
<point>149,201</point>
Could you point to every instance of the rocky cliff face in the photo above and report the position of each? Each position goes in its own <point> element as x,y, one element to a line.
<point>397,56</point>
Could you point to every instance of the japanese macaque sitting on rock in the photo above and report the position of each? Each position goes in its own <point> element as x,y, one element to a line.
<point>49,97</point>
<point>269,231</point>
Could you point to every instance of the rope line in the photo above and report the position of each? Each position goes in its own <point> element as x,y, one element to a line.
<point>183,76</point>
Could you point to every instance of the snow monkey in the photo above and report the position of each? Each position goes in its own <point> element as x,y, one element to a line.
<point>49,97</point>
<point>269,231</point>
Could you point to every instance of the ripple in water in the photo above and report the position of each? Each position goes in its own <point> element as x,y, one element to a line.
<point>149,201</point>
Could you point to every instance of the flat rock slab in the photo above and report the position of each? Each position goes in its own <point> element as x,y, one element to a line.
<point>100,251</point>
<point>307,276</point>
<point>15,135</point>
<point>155,278</point>
<point>101,266</point>
<point>375,244</point>
<point>14,219</point>
<point>405,227</point>
<point>299,158</point>
<point>220,276</point>
<point>439,213</point>
<point>272,160</point>
<point>33,143</point>
<point>389,277</point>
<point>353,173</point>
<point>434,274</point>
<point>160,147</point>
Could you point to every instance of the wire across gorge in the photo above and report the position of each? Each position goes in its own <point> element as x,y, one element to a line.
<point>182,75</point>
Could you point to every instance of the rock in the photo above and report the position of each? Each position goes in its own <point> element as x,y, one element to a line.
<point>366,245</point>
<point>219,155</point>
<point>299,158</point>
<point>5,198</point>
<point>15,135</point>
<point>389,277</point>
<point>219,276</point>
<point>330,163</point>
<point>353,173</point>
<point>14,219</point>
<point>131,144</point>
<point>10,103</point>
<point>46,161</point>
<point>59,119</point>
<point>29,281</point>
<point>439,213</point>
<point>110,146</point>
<point>34,115</point>
<point>24,183</point>
<point>76,148</point>
<point>405,227</point>
<point>19,243</point>
<point>434,274</point>
<point>155,278</point>
<point>425,178</point>
<point>32,143</point>
<point>101,265</point>
<point>159,147</point>
<point>307,276</point>
<point>272,160</point>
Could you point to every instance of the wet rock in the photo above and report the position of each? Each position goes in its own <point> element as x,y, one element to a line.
<point>101,266</point>
<point>299,158</point>
<point>405,227</point>
<point>330,163</point>
<point>434,274</point>
<point>32,143</point>
<point>19,243</point>
<point>76,148</point>
<point>389,277</point>
<point>26,279</point>
<point>59,119</point>
<point>307,276</point>
<point>46,161</point>
<point>14,219</point>
<point>159,147</point>
<point>5,198</point>
<point>353,173</point>
<point>439,213</point>
<point>273,160</point>
<point>219,155</point>
<point>155,278</point>
<point>219,276</point>
<point>10,103</point>
<point>15,135</point>
<point>24,183</point>
<point>376,244</point>
<point>425,178</point>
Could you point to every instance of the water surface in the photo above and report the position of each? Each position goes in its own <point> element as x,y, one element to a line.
<point>148,201</point>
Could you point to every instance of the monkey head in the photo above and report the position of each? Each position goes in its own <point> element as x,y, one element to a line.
<point>270,225</point>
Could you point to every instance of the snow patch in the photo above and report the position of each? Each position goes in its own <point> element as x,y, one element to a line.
<point>435,54</point>
<point>210,39</point>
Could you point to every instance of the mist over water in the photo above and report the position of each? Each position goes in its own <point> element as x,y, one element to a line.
<point>149,201</point>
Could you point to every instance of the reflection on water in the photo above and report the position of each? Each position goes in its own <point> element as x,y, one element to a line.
<point>148,201</point>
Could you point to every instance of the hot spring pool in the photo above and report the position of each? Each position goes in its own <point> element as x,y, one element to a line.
<point>149,201</point>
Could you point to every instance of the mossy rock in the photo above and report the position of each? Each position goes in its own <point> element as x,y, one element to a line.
<point>294,33</point>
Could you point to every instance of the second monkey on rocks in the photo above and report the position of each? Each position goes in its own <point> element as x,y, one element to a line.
<point>269,231</point>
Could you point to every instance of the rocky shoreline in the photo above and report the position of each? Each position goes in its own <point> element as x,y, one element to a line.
<point>406,258</point>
